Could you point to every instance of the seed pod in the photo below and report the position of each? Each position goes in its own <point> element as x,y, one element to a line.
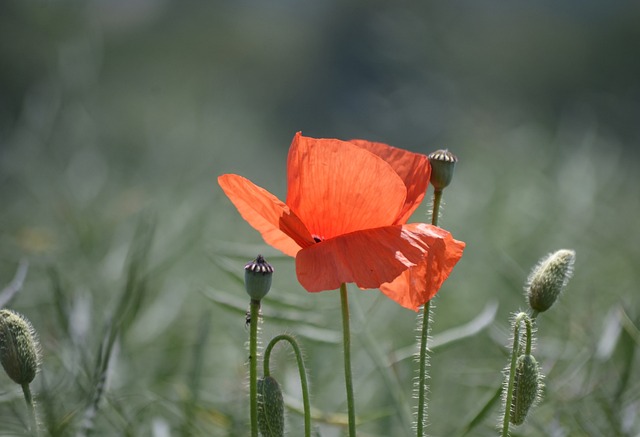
<point>526,389</point>
<point>270,408</point>
<point>549,278</point>
<point>257,278</point>
<point>442,163</point>
<point>18,347</point>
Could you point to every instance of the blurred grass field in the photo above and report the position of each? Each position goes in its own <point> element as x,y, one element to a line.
<point>117,117</point>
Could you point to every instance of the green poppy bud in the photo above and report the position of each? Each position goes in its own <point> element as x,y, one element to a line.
<point>270,408</point>
<point>443,163</point>
<point>549,278</point>
<point>526,389</point>
<point>18,347</point>
<point>257,278</point>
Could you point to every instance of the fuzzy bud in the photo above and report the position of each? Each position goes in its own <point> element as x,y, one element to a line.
<point>526,389</point>
<point>270,408</point>
<point>18,347</point>
<point>257,278</point>
<point>443,163</point>
<point>549,278</point>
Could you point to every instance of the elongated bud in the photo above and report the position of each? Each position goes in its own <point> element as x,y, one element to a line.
<point>526,389</point>
<point>257,278</point>
<point>18,347</point>
<point>443,163</point>
<point>549,278</point>
<point>270,408</point>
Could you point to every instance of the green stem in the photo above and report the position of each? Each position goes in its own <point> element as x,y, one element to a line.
<point>32,408</point>
<point>301,369</point>
<point>437,199</point>
<point>528,327</point>
<point>424,336</point>
<point>422,382</point>
<point>346,336</point>
<point>253,366</point>
<point>515,352</point>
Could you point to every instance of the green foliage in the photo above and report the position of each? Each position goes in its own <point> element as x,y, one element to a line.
<point>115,122</point>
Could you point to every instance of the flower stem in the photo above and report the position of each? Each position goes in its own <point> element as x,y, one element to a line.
<point>32,409</point>
<point>515,352</point>
<point>253,366</point>
<point>437,199</point>
<point>303,375</point>
<point>424,336</point>
<point>346,336</point>
<point>422,378</point>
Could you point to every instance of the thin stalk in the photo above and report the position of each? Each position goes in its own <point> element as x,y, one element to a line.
<point>515,352</point>
<point>301,369</point>
<point>32,409</point>
<point>424,336</point>
<point>253,366</point>
<point>437,199</point>
<point>422,378</point>
<point>346,336</point>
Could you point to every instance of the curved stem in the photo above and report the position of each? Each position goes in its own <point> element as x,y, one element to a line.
<point>301,369</point>
<point>528,327</point>
<point>346,336</point>
<point>515,352</point>
<point>253,366</point>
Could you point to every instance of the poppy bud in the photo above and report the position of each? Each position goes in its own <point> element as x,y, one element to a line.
<point>18,347</point>
<point>527,386</point>
<point>270,408</point>
<point>257,278</point>
<point>548,279</point>
<point>443,163</point>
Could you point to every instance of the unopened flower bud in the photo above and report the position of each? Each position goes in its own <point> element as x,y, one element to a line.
<point>270,408</point>
<point>526,389</point>
<point>18,347</point>
<point>443,163</point>
<point>257,278</point>
<point>549,278</point>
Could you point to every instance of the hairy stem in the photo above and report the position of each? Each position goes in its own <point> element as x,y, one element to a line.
<point>515,352</point>
<point>253,366</point>
<point>424,335</point>
<point>32,409</point>
<point>422,378</point>
<point>301,369</point>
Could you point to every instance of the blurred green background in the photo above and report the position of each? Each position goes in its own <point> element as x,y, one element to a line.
<point>116,117</point>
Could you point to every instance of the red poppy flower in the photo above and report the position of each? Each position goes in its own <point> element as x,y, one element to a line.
<point>345,219</point>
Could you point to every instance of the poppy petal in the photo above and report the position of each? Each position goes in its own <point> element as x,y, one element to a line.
<point>413,168</point>
<point>336,187</point>
<point>420,283</point>
<point>369,258</point>
<point>278,225</point>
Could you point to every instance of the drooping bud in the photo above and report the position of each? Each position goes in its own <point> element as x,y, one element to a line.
<point>257,278</point>
<point>526,389</point>
<point>443,163</point>
<point>270,408</point>
<point>18,347</point>
<point>549,278</point>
